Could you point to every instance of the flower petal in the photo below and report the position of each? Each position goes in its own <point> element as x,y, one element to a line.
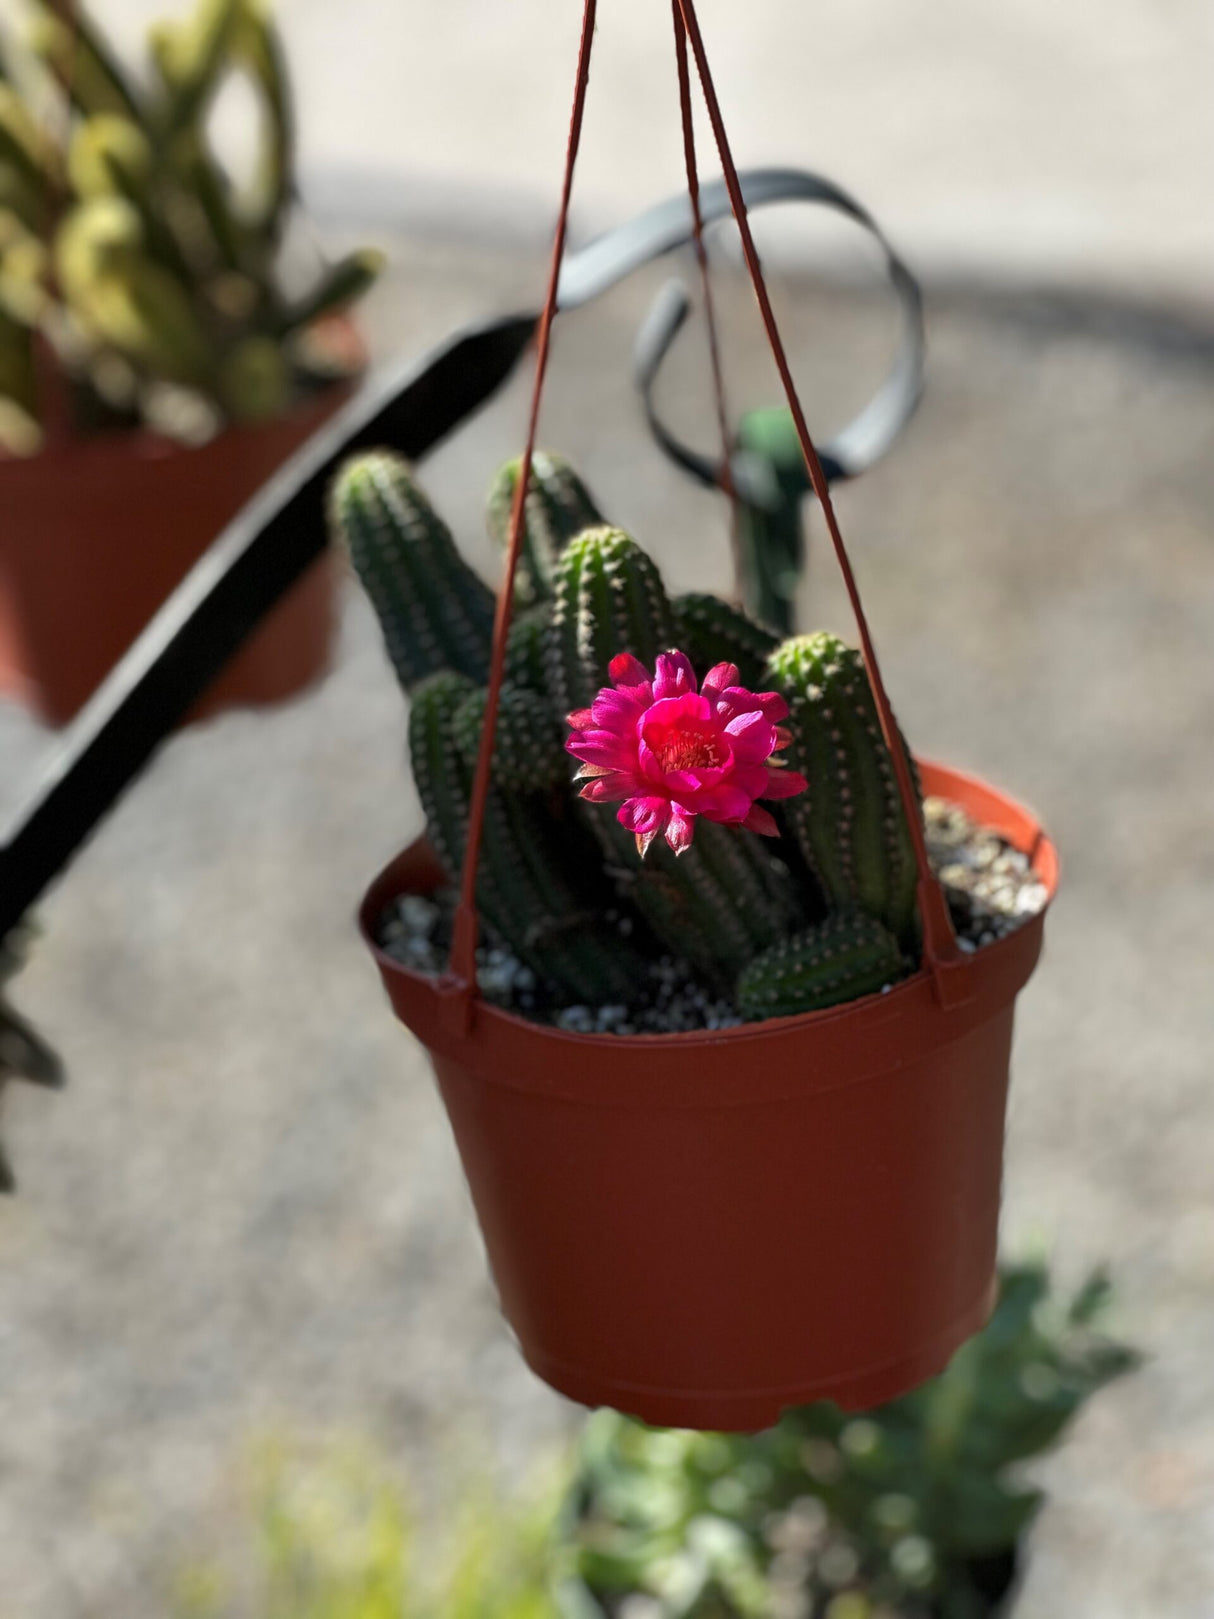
<point>601,748</point>
<point>673,675</point>
<point>620,710</point>
<point>644,813</point>
<point>760,821</point>
<point>783,784</point>
<point>753,736</point>
<point>725,802</point>
<point>740,701</point>
<point>718,678</point>
<point>680,829</point>
<point>581,719</point>
<point>626,670</point>
<point>608,789</point>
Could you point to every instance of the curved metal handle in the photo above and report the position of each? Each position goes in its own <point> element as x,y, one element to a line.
<point>869,435</point>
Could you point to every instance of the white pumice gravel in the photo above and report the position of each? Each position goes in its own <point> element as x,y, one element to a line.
<point>991,891</point>
<point>991,887</point>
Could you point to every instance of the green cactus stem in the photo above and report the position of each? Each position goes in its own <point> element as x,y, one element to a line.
<point>527,648</point>
<point>710,631</point>
<point>531,891</point>
<point>558,508</point>
<point>83,62</point>
<point>849,826</point>
<point>841,958</point>
<point>771,536</point>
<point>528,754</point>
<point>608,598</point>
<point>435,613</point>
<point>724,898</point>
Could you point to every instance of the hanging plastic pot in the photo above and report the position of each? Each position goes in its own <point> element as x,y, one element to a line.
<point>99,531</point>
<point>702,1229</point>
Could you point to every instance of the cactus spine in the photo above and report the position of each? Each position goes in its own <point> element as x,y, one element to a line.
<point>558,507</point>
<point>839,959</point>
<point>435,612</point>
<point>849,826</point>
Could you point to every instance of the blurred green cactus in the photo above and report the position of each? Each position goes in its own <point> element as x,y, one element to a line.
<point>915,1509</point>
<point>129,251</point>
<point>558,508</point>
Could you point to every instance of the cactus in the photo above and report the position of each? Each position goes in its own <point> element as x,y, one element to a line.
<point>849,827</point>
<point>608,598</point>
<point>558,872</point>
<point>846,955</point>
<point>771,536</point>
<point>168,267</point>
<point>527,648</point>
<point>722,900</point>
<point>558,508</point>
<point>527,883</point>
<point>528,755</point>
<point>435,613</point>
<point>711,631</point>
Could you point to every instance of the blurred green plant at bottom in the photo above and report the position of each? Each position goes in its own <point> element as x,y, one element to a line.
<point>336,1536</point>
<point>914,1510</point>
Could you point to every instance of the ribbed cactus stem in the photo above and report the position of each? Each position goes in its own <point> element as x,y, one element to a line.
<point>608,598</point>
<point>435,613</point>
<point>849,826</point>
<point>557,509</point>
<point>532,890</point>
<point>710,631</point>
<point>528,753</point>
<point>527,648</point>
<point>723,899</point>
<point>839,959</point>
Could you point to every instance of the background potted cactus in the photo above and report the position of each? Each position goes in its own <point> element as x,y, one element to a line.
<point>917,1510</point>
<point>689,1071</point>
<point>162,347</point>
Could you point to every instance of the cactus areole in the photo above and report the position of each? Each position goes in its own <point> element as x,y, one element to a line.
<point>697,1228</point>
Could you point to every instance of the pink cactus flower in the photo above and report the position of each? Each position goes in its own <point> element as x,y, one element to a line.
<point>672,753</point>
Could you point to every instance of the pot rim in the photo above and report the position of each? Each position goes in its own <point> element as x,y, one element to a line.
<point>1004,962</point>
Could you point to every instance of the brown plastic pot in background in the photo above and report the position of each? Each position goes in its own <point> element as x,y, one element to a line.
<point>98,531</point>
<point>703,1229</point>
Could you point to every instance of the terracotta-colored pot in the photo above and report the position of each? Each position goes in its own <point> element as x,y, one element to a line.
<point>702,1229</point>
<point>97,532</point>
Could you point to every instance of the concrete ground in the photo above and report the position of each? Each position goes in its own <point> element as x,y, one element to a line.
<point>1075,141</point>
<point>246,1212</point>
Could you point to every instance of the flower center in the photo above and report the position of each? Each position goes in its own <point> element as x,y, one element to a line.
<point>687,747</point>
